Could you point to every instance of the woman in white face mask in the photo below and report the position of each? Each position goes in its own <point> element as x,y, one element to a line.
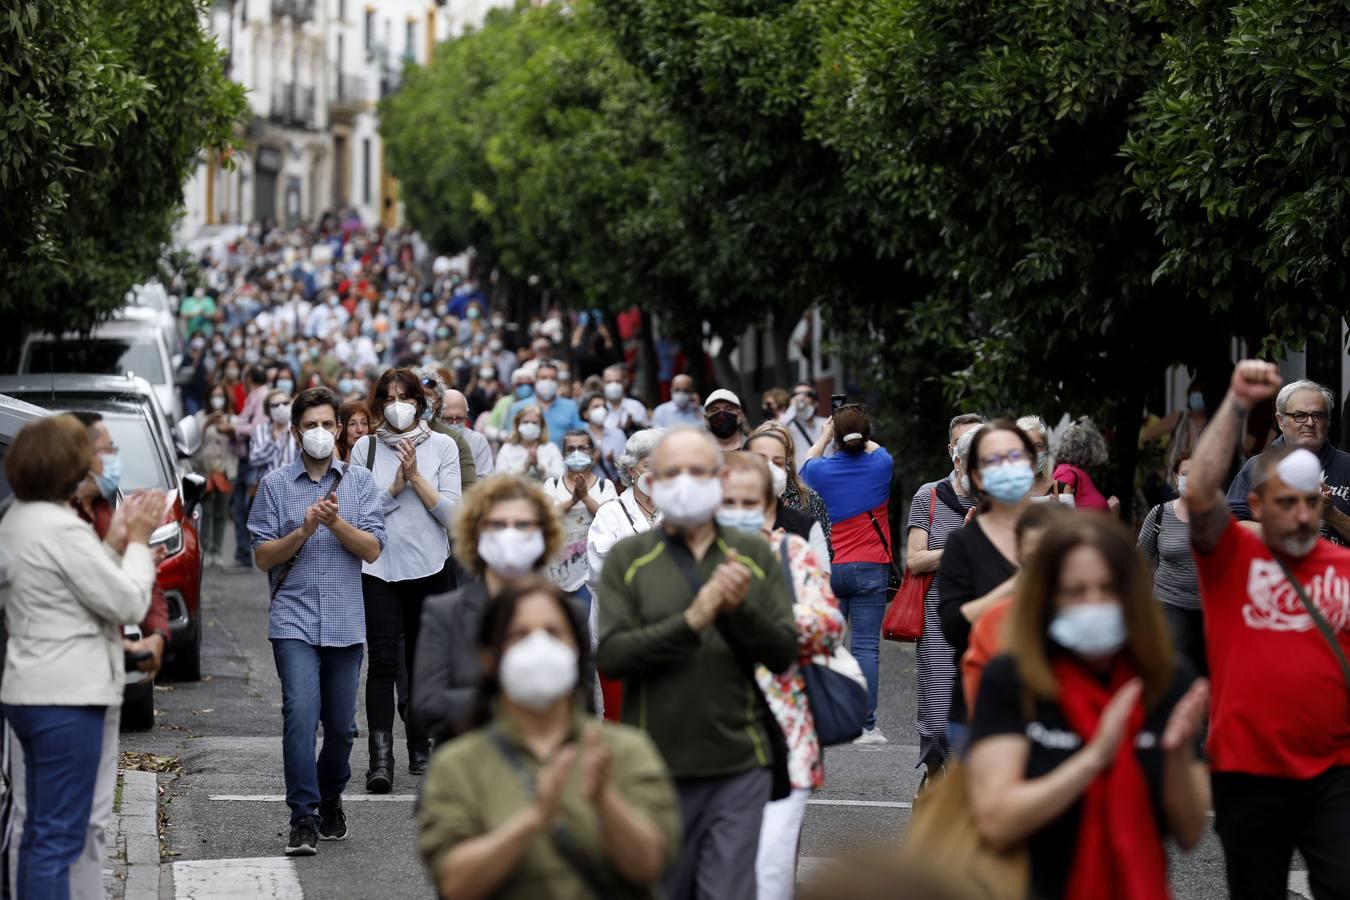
<point>419,476</point>
<point>508,529</point>
<point>579,495</point>
<point>747,495</point>
<point>558,777</point>
<point>1083,742</point>
<point>610,440</point>
<point>271,445</point>
<point>528,452</point>
<point>795,507</point>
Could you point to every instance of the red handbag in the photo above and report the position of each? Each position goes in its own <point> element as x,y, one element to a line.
<point>904,617</point>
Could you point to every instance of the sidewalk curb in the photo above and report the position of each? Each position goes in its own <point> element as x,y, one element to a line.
<point>137,828</point>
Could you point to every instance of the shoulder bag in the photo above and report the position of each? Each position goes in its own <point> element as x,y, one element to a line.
<point>290,563</point>
<point>778,764</point>
<point>836,688</point>
<point>904,617</point>
<point>1320,621</point>
<point>942,837</point>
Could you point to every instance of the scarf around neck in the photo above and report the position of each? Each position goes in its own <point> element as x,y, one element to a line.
<point>1120,853</point>
<point>417,434</point>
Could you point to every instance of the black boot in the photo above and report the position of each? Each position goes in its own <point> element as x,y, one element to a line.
<point>380,776</point>
<point>419,754</point>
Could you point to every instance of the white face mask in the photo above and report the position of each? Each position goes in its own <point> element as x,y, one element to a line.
<point>686,501</point>
<point>529,431</point>
<point>217,402</point>
<point>281,414</point>
<point>779,475</point>
<point>511,553</point>
<point>399,414</point>
<point>546,389</point>
<point>596,416</point>
<point>681,398</point>
<point>538,671</point>
<point>1090,629</point>
<point>487,374</point>
<point>318,443</point>
<point>644,484</point>
<point>613,391</point>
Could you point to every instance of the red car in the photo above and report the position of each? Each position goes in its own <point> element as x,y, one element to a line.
<point>154,454</point>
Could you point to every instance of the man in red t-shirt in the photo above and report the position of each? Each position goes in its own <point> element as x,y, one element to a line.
<point>1279,742</point>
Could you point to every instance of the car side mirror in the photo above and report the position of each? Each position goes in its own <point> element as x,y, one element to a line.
<point>187,437</point>
<point>194,490</point>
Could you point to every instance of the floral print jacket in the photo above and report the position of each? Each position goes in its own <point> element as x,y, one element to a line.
<point>820,629</point>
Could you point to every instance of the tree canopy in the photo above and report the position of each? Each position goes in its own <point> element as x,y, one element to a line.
<point>1013,206</point>
<point>106,107</point>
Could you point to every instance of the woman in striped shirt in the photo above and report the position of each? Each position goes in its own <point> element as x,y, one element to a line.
<point>273,447</point>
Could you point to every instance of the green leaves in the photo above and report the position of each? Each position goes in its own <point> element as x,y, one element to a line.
<point>97,136</point>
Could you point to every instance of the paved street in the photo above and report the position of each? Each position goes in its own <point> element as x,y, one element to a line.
<point>227,823</point>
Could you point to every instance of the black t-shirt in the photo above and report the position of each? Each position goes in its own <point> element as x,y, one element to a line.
<point>794,522</point>
<point>1000,710</point>
<point>971,567</point>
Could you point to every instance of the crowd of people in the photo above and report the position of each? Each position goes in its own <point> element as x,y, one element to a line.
<point>603,620</point>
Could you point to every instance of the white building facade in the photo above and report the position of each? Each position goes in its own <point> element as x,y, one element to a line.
<point>315,71</point>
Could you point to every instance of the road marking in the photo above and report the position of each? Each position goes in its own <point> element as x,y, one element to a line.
<point>228,879</point>
<point>1298,884</point>
<point>346,798</point>
<point>886,804</point>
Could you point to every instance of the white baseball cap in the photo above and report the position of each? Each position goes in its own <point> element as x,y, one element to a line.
<point>721,394</point>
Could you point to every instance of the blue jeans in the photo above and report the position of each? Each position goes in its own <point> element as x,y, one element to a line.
<point>583,597</point>
<point>61,748</point>
<point>861,590</point>
<point>318,685</point>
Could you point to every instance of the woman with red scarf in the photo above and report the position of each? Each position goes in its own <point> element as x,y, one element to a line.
<point>1083,742</point>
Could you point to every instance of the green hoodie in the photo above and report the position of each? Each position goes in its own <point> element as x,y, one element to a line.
<point>694,692</point>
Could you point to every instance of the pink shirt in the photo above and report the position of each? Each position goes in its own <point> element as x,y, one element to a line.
<point>1085,493</point>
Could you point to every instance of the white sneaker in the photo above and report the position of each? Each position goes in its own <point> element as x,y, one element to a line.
<point>870,736</point>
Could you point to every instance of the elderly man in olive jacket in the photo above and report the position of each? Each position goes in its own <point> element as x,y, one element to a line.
<point>686,612</point>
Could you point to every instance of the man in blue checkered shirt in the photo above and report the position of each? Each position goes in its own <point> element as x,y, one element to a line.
<point>314,521</point>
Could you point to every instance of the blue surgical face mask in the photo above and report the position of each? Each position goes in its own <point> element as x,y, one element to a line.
<point>524,391</point>
<point>346,386</point>
<point>1181,484</point>
<point>285,385</point>
<point>578,461</point>
<point>1090,629</point>
<point>748,520</point>
<point>427,414</point>
<point>1041,459</point>
<point>1196,401</point>
<point>112,473</point>
<point>1009,482</point>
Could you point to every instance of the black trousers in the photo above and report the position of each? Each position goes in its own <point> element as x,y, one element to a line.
<point>1188,635</point>
<point>1261,821</point>
<point>393,614</point>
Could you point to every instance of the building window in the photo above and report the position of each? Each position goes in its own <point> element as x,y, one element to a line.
<point>365,171</point>
<point>370,29</point>
<point>410,39</point>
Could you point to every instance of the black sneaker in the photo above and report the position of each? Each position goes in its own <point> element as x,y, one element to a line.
<point>332,820</point>
<point>304,839</point>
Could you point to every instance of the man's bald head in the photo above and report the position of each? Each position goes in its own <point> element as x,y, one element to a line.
<point>454,406</point>
<point>683,449</point>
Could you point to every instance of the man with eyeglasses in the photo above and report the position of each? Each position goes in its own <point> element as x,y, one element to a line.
<point>455,413</point>
<point>433,388</point>
<point>802,419</point>
<point>1303,413</point>
<point>687,610</point>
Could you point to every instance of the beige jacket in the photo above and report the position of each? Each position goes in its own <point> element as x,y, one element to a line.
<point>67,598</point>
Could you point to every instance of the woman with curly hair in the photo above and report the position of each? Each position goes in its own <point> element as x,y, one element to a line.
<point>507,529</point>
<point>1080,447</point>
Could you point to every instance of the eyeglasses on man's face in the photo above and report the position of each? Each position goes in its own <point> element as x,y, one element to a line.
<point>1303,418</point>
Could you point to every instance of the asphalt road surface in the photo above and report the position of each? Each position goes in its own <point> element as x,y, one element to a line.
<point>227,822</point>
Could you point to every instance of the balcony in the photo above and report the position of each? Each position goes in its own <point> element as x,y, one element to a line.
<point>297,10</point>
<point>349,96</point>
<point>293,105</point>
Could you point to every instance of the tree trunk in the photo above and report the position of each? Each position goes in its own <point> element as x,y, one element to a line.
<point>1126,418</point>
<point>650,364</point>
<point>783,326</point>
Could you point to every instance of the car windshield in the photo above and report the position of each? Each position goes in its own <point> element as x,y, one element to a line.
<point>97,356</point>
<point>141,463</point>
